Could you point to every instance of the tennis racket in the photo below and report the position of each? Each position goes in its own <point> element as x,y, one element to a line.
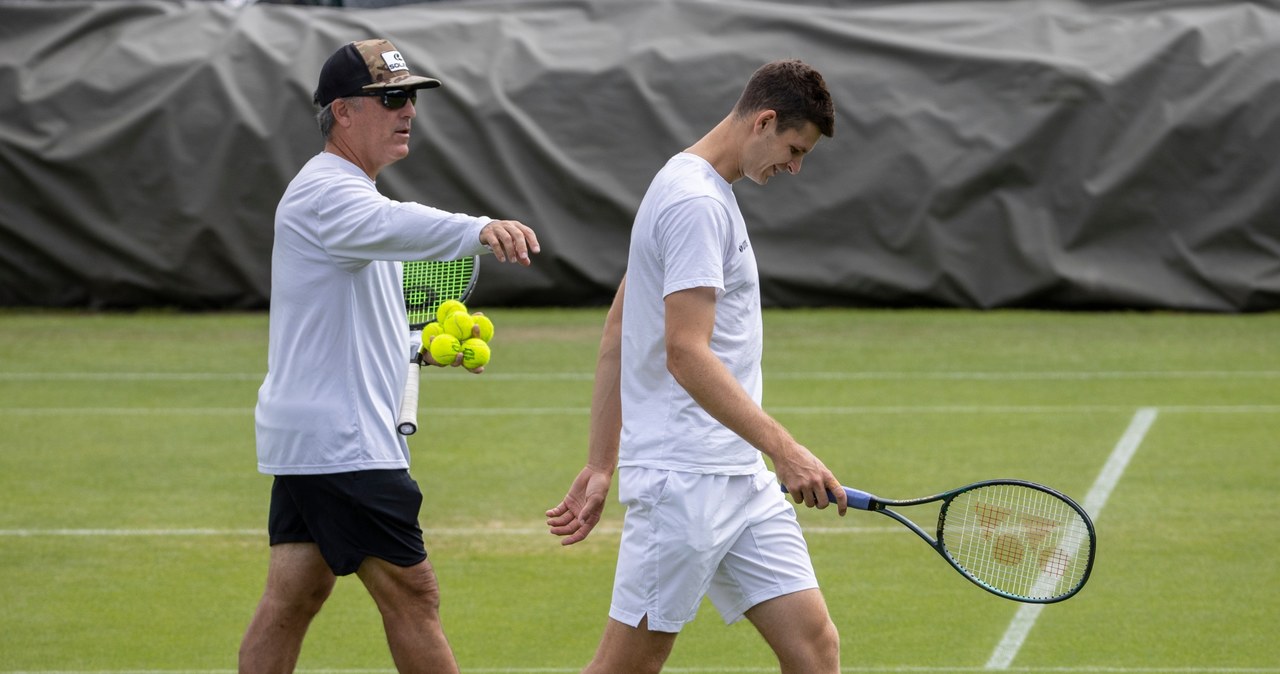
<point>1016,539</point>
<point>428,283</point>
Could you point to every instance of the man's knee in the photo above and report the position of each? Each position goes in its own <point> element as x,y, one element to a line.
<point>817,650</point>
<point>298,580</point>
<point>299,598</point>
<point>631,650</point>
<point>799,629</point>
<point>826,643</point>
<point>395,588</point>
<point>421,585</point>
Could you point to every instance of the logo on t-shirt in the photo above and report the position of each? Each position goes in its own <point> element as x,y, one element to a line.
<point>742,247</point>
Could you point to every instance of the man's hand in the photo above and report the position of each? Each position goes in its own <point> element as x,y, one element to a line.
<point>429,357</point>
<point>808,480</point>
<point>580,510</point>
<point>510,241</point>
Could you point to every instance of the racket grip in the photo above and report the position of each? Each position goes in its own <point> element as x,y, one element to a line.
<point>857,498</point>
<point>407,422</point>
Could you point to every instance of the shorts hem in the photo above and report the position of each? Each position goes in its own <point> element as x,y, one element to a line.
<point>289,537</point>
<point>350,565</point>
<point>740,610</point>
<point>633,620</point>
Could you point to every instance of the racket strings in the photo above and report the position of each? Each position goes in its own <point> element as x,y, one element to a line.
<point>428,284</point>
<point>1018,540</point>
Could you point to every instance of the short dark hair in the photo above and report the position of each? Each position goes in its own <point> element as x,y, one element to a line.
<point>795,91</point>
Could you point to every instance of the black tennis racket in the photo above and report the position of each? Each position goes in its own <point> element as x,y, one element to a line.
<point>1016,539</point>
<point>428,283</point>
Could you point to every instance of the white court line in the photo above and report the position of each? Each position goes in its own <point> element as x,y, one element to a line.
<point>1094,501</point>
<point>888,669</point>
<point>73,533</point>
<point>790,375</point>
<point>1029,376</point>
<point>463,532</point>
<point>582,411</point>
<point>1015,409</point>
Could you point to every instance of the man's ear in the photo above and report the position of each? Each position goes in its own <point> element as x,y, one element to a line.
<point>764,119</point>
<point>342,110</point>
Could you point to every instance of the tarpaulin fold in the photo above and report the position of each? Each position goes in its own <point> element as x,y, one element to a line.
<point>1021,153</point>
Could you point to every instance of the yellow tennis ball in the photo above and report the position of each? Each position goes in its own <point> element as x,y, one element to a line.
<point>459,324</point>
<point>432,329</point>
<point>475,353</point>
<point>486,326</point>
<point>447,308</point>
<point>444,349</point>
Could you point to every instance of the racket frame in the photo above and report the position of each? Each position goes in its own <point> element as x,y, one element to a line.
<point>862,500</point>
<point>407,419</point>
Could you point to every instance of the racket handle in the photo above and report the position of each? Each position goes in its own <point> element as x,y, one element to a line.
<point>857,498</point>
<point>407,422</point>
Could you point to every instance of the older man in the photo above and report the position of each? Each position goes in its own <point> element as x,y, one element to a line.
<point>342,501</point>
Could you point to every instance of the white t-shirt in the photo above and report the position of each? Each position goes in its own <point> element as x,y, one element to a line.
<point>338,349</point>
<point>688,233</point>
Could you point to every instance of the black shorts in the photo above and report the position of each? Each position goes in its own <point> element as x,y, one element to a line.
<point>350,516</point>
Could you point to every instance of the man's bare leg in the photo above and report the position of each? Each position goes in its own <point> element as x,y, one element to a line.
<point>409,600</point>
<point>298,583</point>
<point>798,628</point>
<point>631,650</point>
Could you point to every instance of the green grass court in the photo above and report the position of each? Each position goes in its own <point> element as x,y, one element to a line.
<point>132,533</point>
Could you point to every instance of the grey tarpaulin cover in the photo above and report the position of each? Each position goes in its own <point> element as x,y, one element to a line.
<point>987,154</point>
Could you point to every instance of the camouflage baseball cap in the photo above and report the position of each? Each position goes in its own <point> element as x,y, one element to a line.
<point>364,65</point>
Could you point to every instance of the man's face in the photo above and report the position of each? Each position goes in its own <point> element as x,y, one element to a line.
<point>770,152</point>
<point>378,135</point>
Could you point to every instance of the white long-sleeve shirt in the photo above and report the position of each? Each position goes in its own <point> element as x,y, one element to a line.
<point>338,349</point>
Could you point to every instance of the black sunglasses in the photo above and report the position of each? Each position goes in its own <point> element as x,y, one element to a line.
<point>394,99</point>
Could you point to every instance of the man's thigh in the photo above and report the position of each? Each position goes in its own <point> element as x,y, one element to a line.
<point>798,628</point>
<point>297,573</point>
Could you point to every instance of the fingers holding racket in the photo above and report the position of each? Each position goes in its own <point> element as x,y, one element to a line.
<point>809,480</point>
<point>854,498</point>
<point>821,497</point>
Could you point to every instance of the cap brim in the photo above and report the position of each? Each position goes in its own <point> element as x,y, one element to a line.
<point>404,82</point>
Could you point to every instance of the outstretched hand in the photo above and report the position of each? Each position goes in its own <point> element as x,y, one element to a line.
<point>580,511</point>
<point>510,241</point>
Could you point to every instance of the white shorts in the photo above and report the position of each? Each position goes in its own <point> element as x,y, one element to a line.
<point>733,538</point>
